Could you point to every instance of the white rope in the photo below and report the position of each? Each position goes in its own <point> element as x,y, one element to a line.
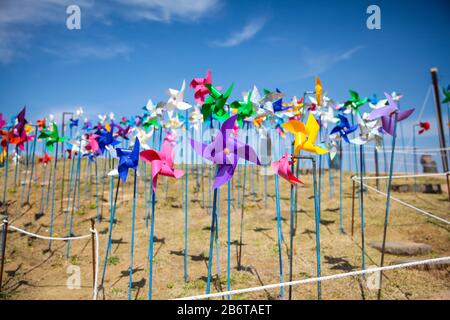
<point>356,178</point>
<point>312,280</point>
<point>49,238</point>
<point>406,204</point>
<point>95,232</point>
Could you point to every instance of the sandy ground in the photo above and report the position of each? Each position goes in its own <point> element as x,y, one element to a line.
<point>33,272</point>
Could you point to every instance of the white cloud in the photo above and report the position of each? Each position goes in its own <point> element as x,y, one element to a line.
<point>169,10</point>
<point>248,32</point>
<point>19,19</point>
<point>319,62</point>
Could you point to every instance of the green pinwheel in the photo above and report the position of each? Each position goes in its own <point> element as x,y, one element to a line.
<point>51,137</point>
<point>446,93</point>
<point>355,102</point>
<point>215,103</point>
<point>150,122</point>
<point>244,109</point>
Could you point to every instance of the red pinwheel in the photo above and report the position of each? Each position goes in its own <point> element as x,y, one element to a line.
<point>162,163</point>
<point>122,132</point>
<point>225,151</point>
<point>200,91</point>
<point>45,159</point>
<point>424,126</point>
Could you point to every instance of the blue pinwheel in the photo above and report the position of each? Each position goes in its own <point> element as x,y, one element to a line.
<point>278,106</point>
<point>106,139</point>
<point>128,159</point>
<point>73,123</point>
<point>343,128</point>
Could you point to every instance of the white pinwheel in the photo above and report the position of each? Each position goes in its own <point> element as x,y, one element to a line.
<point>176,98</point>
<point>102,118</point>
<point>369,131</point>
<point>196,118</point>
<point>79,113</point>
<point>143,137</point>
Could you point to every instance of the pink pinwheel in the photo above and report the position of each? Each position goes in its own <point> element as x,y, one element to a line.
<point>162,163</point>
<point>386,114</point>
<point>200,91</point>
<point>225,151</point>
<point>282,167</point>
<point>170,137</point>
<point>92,144</point>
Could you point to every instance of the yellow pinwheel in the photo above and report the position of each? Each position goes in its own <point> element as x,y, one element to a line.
<point>305,135</point>
<point>319,91</point>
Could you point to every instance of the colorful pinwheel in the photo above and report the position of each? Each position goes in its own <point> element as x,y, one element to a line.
<point>51,137</point>
<point>162,163</point>
<point>386,114</point>
<point>244,109</point>
<point>446,93</point>
<point>200,90</point>
<point>45,159</point>
<point>305,136</point>
<point>176,98</point>
<point>343,128</point>
<point>424,126</point>
<point>225,152</point>
<point>215,103</point>
<point>128,159</point>
<point>355,102</point>
<point>282,167</point>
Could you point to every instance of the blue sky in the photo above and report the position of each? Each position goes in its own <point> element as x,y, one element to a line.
<point>127,53</point>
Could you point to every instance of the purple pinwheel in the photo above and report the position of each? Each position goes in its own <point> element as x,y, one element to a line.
<point>344,128</point>
<point>386,113</point>
<point>122,132</point>
<point>87,125</point>
<point>225,152</point>
<point>128,159</point>
<point>21,122</point>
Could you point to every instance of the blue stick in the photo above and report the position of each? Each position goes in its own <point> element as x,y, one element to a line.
<point>53,197</point>
<point>229,238</point>
<point>279,231</point>
<point>317,221</point>
<point>186,204</point>
<point>341,227</point>
<point>150,247</point>
<point>361,206</point>
<point>211,242</point>
<point>77,182</point>
<point>133,218</point>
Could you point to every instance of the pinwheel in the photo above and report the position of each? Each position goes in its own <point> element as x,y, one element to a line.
<point>176,98</point>
<point>271,96</point>
<point>327,117</point>
<point>305,136</point>
<point>355,102</point>
<point>369,131</point>
<point>386,114</point>
<point>87,125</point>
<point>319,91</point>
<point>446,92</point>
<point>196,118</point>
<point>373,99</point>
<point>20,122</point>
<point>200,90</point>
<point>41,124</point>
<point>278,106</point>
<point>171,137</point>
<point>73,123</point>
<point>244,109</point>
<point>225,151</point>
<point>282,167</point>
<point>424,126</point>
<point>92,144</point>
<point>122,132</point>
<point>215,103</point>
<point>162,163</point>
<point>297,108</point>
<point>52,137</point>
<point>143,137</point>
<point>106,140</point>
<point>45,159</point>
<point>343,128</point>
<point>395,96</point>
<point>128,159</point>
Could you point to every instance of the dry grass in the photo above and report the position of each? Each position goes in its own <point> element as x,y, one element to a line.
<point>33,273</point>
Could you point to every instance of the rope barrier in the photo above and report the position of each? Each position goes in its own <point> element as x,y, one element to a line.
<point>94,231</point>
<point>312,280</point>
<point>404,176</point>
<point>406,204</point>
